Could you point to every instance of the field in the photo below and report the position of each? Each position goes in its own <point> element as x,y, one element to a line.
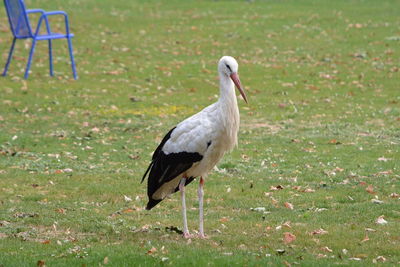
<point>315,180</point>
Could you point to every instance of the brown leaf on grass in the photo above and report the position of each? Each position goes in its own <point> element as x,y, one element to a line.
<point>105,260</point>
<point>309,190</point>
<point>366,238</point>
<point>282,105</point>
<point>41,263</point>
<point>370,189</point>
<point>394,195</point>
<point>45,242</point>
<point>275,188</point>
<point>327,249</point>
<point>319,231</point>
<point>274,202</point>
<point>289,205</point>
<point>224,219</point>
<point>128,210</point>
<point>383,173</point>
<point>309,149</point>
<point>4,223</point>
<point>61,210</point>
<point>151,251</point>
<point>334,142</point>
<point>134,157</point>
<point>288,237</point>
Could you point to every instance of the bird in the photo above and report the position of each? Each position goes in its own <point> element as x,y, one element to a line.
<point>193,147</point>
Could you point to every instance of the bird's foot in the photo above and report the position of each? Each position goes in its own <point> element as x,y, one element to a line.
<point>202,236</point>
<point>187,235</point>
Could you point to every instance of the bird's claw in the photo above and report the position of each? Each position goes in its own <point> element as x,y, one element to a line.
<point>202,236</point>
<point>187,235</point>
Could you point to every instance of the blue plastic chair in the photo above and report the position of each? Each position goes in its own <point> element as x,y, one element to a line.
<point>21,29</point>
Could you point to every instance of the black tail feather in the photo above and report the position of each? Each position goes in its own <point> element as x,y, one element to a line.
<point>147,171</point>
<point>152,203</point>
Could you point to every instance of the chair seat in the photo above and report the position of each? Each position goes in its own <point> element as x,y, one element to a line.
<point>53,35</point>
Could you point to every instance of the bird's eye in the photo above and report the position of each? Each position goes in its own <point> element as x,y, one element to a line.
<point>229,68</point>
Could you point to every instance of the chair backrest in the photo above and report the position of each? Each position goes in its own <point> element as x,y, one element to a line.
<point>19,22</point>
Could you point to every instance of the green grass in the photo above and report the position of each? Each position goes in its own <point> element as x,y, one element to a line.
<point>323,122</point>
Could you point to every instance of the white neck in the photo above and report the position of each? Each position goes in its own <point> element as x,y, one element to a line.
<point>227,96</point>
<point>229,111</point>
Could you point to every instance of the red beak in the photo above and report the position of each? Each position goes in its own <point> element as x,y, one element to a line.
<point>236,81</point>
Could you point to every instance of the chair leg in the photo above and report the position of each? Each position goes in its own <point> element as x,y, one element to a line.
<point>28,65</point>
<point>51,58</point>
<point>9,57</point>
<point>71,55</point>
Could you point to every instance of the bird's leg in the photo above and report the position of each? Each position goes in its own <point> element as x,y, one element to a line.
<point>182,190</point>
<point>200,193</point>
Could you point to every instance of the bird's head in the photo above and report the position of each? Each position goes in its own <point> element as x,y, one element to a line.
<point>228,66</point>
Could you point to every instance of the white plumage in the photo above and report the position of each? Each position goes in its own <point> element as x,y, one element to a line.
<point>196,145</point>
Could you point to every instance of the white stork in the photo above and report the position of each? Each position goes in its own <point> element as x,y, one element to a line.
<point>195,146</point>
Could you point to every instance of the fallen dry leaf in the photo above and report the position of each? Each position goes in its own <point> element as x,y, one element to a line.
<point>274,202</point>
<point>383,173</point>
<point>394,195</point>
<point>151,251</point>
<point>289,205</point>
<point>309,190</point>
<point>275,188</point>
<point>288,237</point>
<point>105,261</point>
<point>224,219</point>
<point>334,141</point>
<point>381,220</point>
<point>128,210</point>
<point>61,210</point>
<point>366,238</point>
<point>319,231</point>
<point>327,249</point>
<point>370,189</point>
<point>41,263</point>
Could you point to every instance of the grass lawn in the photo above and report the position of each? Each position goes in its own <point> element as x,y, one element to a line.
<point>318,161</point>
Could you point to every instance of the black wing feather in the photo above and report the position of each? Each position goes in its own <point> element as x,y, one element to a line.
<point>165,167</point>
<point>158,149</point>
